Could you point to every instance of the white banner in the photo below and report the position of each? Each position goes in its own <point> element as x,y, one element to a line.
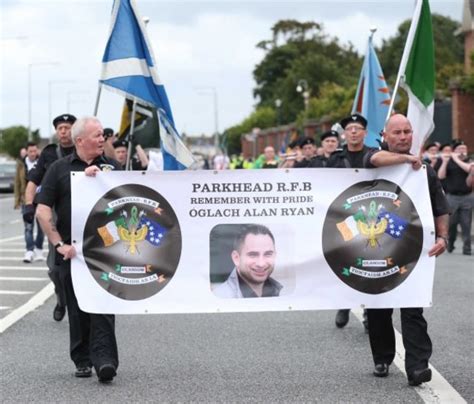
<point>252,240</point>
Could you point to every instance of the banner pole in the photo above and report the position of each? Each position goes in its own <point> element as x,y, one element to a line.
<point>96,108</point>
<point>130,135</point>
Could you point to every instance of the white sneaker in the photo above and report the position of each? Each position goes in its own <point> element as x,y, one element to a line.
<point>38,255</point>
<point>29,255</point>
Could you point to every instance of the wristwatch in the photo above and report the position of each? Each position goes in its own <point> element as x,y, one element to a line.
<point>445,239</point>
<point>59,244</point>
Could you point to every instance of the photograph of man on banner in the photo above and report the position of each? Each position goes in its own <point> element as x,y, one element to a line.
<point>253,254</point>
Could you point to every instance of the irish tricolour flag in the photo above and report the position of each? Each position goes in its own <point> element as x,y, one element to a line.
<point>417,72</point>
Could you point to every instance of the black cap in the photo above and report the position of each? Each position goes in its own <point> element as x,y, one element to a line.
<point>430,145</point>
<point>306,140</point>
<point>120,143</point>
<point>354,118</point>
<point>108,132</point>
<point>64,118</point>
<point>457,143</point>
<point>329,133</point>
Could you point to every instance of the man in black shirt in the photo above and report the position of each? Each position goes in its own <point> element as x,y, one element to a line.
<point>92,336</point>
<point>308,149</point>
<point>52,152</point>
<point>121,154</point>
<point>454,169</point>
<point>418,347</point>
<point>329,144</point>
<point>352,155</point>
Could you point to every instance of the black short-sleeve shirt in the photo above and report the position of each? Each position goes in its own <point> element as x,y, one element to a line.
<point>439,204</point>
<point>343,158</point>
<point>456,179</point>
<point>56,187</point>
<point>48,156</point>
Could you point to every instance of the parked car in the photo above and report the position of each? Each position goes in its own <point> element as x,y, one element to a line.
<point>7,175</point>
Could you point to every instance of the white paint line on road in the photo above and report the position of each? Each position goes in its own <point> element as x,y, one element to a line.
<point>26,267</point>
<point>15,292</point>
<point>14,243</point>
<point>438,390</point>
<point>12,258</point>
<point>36,301</point>
<point>20,278</point>
<point>5,307</point>
<point>6,240</point>
<point>12,250</point>
<point>15,221</point>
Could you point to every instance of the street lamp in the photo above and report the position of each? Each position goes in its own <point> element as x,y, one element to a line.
<point>69,93</point>
<point>30,66</point>
<point>303,88</point>
<point>212,91</point>
<point>278,103</point>
<point>50,90</point>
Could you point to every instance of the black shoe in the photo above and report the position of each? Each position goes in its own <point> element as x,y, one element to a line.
<point>450,248</point>
<point>366,326</point>
<point>419,376</point>
<point>83,371</point>
<point>106,373</point>
<point>466,253</point>
<point>342,318</point>
<point>59,312</point>
<point>381,370</point>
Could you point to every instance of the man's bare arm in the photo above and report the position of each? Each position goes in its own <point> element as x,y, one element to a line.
<point>44,214</point>
<point>385,158</point>
<point>441,243</point>
<point>30,192</point>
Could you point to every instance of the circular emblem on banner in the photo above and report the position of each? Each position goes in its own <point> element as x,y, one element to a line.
<point>372,236</point>
<point>132,242</point>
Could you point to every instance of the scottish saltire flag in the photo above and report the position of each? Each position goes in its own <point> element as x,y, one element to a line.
<point>129,67</point>
<point>396,225</point>
<point>155,233</point>
<point>372,98</point>
<point>417,75</point>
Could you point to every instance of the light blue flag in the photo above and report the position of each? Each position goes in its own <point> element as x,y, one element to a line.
<point>129,67</point>
<point>372,98</point>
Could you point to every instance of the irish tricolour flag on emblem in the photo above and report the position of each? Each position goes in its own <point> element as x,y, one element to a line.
<point>417,72</point>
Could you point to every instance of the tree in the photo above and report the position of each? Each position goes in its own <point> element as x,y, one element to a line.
<point>334,102</point>
<point>263,117</point>
<point>12,139</point>
<point>301,50</point>
<point>449,50</point>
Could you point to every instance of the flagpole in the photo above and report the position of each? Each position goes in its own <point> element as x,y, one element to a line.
<point>130,135</point>
<point>96,108</point>
<point>403,62</point>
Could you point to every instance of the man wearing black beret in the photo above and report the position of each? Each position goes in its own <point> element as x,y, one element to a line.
<point>62,124</point>
<point>329,144</point>
<point>353,155</point>
<point>308,150</point>
<point>121,152</point>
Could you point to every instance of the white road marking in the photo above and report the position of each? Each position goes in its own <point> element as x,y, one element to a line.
<point>22,268</point>
<point>19,278</point>
<point>13,258</point>
<point>12,250</point>
<point>15,221</point>
<point>438,390</point>
<point>5,307</point>
<point>15,292</point>
<point>6,240</point>
<point>36,301</point>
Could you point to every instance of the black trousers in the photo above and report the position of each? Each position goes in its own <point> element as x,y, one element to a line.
<point>418,346</point>
<point>54,276</point>
<point>92,336</point>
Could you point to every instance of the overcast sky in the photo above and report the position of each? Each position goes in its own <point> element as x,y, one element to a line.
<point>197,45</point>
